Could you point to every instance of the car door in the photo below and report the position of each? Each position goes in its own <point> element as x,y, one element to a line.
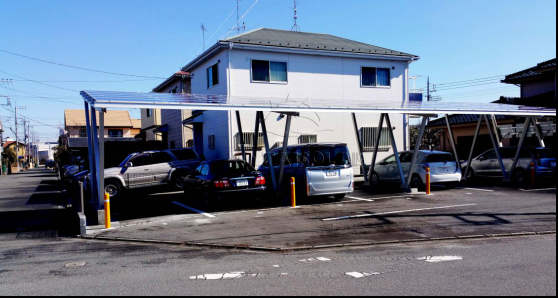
<point>140,173</point>
<point>195,182</point>
<point>162,165</point>
<point>487,164</point>
<point>406,159</point>
<point>386,169</point>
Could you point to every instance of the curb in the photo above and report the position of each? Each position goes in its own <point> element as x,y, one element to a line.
<point>319,247</point>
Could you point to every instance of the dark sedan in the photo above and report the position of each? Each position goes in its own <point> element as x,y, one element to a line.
<point>215,180</point>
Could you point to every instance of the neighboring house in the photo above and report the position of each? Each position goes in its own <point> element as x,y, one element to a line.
<point>150,122</point>
<point>277,65</point>
<point>46,151</point>
<point>538,88</point>
<point>119,126</point>
<point>166,125</point>
<point>12,145</point>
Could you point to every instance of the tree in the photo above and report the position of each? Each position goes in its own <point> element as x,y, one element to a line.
<point>430,140</point>
<point>9,156</point>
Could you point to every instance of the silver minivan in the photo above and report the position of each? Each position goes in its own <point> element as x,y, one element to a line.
<point>319,169</point>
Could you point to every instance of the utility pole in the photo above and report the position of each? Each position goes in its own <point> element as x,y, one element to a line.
<point>428,96</point>
<point>1,148</point>
<point>17,142</point>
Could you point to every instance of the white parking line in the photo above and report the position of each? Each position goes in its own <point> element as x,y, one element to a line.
<point>542,189</point>
<point>396,212</point>
<point>359,199</point>
<point>477,189</point>
<point>195,210</point>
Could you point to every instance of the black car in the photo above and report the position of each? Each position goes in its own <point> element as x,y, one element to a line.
<point>215,180</point>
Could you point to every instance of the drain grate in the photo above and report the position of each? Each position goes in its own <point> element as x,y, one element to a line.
<point>38,235</point>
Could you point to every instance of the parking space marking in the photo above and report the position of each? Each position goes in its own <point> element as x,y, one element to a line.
<point>193,209</point>
<point>396,212</point>
<point>542,189</point>
<point>477,189</point>
<point>359,199</point>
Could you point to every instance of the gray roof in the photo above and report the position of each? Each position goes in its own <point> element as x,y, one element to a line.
<point>463,119</point>
<point>311,41</point>
<point>531,73</point>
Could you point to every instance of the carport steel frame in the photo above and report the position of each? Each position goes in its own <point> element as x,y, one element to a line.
<point>99,101</point>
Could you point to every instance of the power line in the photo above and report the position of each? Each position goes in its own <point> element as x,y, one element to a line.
<point>80,68</point>
<point>467,86</point>
<point>451,83</point>
<point>52,86</point>
<point>482,90</point>
<point>109,81</point>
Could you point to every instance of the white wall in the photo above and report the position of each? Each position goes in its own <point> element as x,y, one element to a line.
<point>313,77</point>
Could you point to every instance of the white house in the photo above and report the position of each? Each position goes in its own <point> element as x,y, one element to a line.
<point>275,64</point>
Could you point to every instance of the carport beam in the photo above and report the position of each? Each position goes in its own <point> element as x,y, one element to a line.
<point>452,142</point>
<point>284,152</point>
<point>396,152</point>
<point>255,141</point>
<point>95,140</point>
<point>241,135</point>
<point>470,160</point>
<point>521,143</point>
<point>497,149</point>
<point>360,149</point>
<point>91,151</point>
<point>268,152</point>
<point>377,144</point>
<point>417,149</point>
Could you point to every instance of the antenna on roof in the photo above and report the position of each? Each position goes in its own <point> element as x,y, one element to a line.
<point>203,32</point>
<point>238,27</point>
<point>295,28</point>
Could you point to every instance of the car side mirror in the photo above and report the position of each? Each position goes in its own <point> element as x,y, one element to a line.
<point>129,165</point>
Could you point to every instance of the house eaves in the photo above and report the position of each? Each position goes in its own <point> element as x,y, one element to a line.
<point>171,79</point>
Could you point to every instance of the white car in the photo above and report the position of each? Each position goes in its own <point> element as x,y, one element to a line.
<point>443,169</point>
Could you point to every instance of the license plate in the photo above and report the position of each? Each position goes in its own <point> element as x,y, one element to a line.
<point>242,183</point>
<point>332,174</point>
<point>443,170</point>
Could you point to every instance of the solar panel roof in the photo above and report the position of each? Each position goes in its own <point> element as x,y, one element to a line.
<point>135,100</point>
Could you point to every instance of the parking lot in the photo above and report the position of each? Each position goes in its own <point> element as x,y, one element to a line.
<point>484,209</point>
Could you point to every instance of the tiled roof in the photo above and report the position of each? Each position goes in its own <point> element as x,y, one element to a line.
<point>311,41</point>
<point>546,100</point>
<point>136,123</point>
<point>531,72</point>
<point>9,143</point>
<point>76,118</point>
<point>462,119</point>
<point>175,76</point>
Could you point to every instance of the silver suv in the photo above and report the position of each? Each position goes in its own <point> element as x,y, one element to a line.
<point>153,168</point>
<point>487,165</point>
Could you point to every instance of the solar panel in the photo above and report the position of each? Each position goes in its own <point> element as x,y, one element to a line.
<point>134,100</point>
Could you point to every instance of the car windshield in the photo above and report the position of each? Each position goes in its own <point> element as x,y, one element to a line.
<point>125,162</point>
<point>439,158</point>
<point>231,168</point>
<point>327,156</point>
<point>545,153</point>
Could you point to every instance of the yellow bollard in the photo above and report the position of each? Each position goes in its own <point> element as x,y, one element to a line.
<point>428,189</point>
<point>107,211</point>
<point>293,192</point>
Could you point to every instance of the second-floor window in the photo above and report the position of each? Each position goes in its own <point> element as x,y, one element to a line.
<point>213,76</point>
<point>376,77</point>
<point>149,113</point>
<point>269,71</point>
<point>115,133</point>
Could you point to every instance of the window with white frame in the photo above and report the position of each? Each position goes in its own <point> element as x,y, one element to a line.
<point>213,76</point>
<point>308,139</point>
<point>369,136</point>
<point>269,71</point>
<point>376,77</point>
<point>249,141</point>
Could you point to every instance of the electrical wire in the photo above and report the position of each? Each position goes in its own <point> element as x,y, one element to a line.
<point>80,68</point>
<point>52,86</point>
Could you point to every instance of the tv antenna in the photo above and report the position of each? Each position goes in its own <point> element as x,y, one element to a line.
<point>203,32</point>
<point>295,28</point>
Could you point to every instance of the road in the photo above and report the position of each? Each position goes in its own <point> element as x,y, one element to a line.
<point>507,266</point>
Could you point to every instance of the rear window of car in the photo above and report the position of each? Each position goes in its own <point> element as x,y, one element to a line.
<point>327,156</point>
<point>185,154</point>
<point>545,153</point>
<point>439,158</point>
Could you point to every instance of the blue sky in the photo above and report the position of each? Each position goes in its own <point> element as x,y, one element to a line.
<point>457,41</point>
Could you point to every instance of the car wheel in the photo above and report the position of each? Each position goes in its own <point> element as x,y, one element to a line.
<point>339,197</point>
<point>519,178</point>
<point>374,180</point>
<point>177,180</point>
<point>114,189</point>
<point>416,182</point>
<point>470,175</point>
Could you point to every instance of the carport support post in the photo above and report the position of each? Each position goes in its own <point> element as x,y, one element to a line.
<point>95,140</point>
<point>255,141</point>
<point>241,135</point>
<point>539,133</point>
<point>521,143</point>
<point>470,160</point>
<point>268,152</point>
<point>377,143</point>
<point>452,142</point>
<point>396,152</point>
<point>101,155</point>
<point>284,152</point>
<point>360,150</point>
<point>91,151</point>
<point>497,148</point>
<point>417,149</point>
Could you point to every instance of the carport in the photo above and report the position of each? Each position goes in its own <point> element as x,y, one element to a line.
<point>288,108</point>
